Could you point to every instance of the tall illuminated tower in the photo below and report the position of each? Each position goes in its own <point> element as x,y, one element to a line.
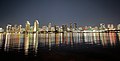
<point>27,28</point>
<point>49,27</point>
<point>109,26</point>
<point>70,26</point>
<point>64,27</point>
<point>36,26</point>
<point>102,26</point>
<point>75,26</point>
<point>19,28</point>
<point>8,28</point>
<point>118,27</point>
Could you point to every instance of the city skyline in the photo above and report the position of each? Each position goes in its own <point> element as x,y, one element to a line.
<point>72,27</point>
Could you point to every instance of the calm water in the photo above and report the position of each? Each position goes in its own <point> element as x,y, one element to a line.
<point>47,45</point>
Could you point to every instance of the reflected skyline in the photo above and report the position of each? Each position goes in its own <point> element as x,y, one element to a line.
<point>32,42</point>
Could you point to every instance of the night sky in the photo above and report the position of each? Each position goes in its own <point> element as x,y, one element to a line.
<point>82,12</point>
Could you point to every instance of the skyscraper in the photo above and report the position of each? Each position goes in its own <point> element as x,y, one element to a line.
<point>111,27</point>
<point>49,27</point>
<point>64,27</point>
<point>75,26</point>
<point>102,26</point>
<point>70,27</point>
<point>118,27</point>
<point>19,28</point>
<point>27,28</point>
<point>8,28</point>
<point>36,26</point>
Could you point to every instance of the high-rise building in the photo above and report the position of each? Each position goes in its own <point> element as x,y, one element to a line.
<point>102,26</point>
<point>80,28</point>
<point>1,30</point>
<point>12,30</point>
<point>111,27</point>
<point>70,26</point>
<point>66,28</point>
<point>36,26</point>
<point>49,27</point>
<point>63,27</point>
<point>95,28</point>
<point>52,29</point>
<point>75,26</point>
<point>27,28</point>
<point>19,28</point>
<point>8,28</point>
<point>56,28</point>
<point>15,28</point>
<point>118,27</point>
<point>44,28</point>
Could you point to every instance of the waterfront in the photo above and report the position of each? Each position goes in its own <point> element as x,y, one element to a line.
<point>60,45</point>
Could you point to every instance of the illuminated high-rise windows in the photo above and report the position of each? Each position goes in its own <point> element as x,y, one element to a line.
<point>36,26</point>
<point>49,27</point>
<point>27,28</point>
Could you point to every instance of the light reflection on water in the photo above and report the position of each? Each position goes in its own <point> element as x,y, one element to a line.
<point>35,41</point>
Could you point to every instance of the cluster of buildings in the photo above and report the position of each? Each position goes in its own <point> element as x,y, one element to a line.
<point>55,28</point>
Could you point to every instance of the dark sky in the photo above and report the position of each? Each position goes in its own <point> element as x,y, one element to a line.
<point>83,12</point>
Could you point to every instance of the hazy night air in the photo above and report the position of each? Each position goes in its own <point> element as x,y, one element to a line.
<point>59,30</point>
<point>82,12</point>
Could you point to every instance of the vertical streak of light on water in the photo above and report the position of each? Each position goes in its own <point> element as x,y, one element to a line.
<point>56,39</point>
<point>94,37</point>
<point>102,38</point>
<point>98,37</point>
<point>107,38</point>
<point>114,38</point>
<point>81,37</point>
<point>21,41</point>
<point>66,38</point>
<point>34,42</point>
<point>31,40</point>
<point>26,44</point>
<point>1,40</point>
<point>91,38</point>
<point>118,35</point>
<point>52,39</point>
<point>85,37</point>
<point>18,37</point>
<point>49,40</point>
<point>77,41</point>
<point>61,38</point>
<point>78,37</point>
<point>7,39</point>
<point>44,40</point>
<point>111,38</point>
<point>68,34</point>
<point>71,39</point>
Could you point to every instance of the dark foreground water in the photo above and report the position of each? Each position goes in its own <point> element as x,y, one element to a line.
<point>60,46</point>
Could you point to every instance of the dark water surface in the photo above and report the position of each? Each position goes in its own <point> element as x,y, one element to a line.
<point>60,46</point>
